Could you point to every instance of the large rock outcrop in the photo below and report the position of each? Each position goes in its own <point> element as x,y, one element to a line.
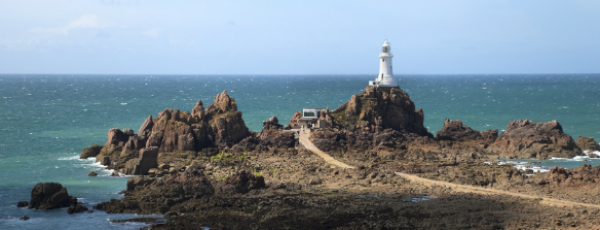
<point>50,196</point>
<point>219,127</point>
<point>380,109</point>
<point>527,139</point>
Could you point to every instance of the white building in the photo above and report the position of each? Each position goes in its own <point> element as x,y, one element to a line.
<point>386,72</point>
<point>309,116</point>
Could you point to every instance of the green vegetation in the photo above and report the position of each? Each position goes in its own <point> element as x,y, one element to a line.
<point>273,171</point>
<point>228,156</point>
<point>220,156</point>
<point>242,157</point>
<point>224,177</point>
<point>257,173</point>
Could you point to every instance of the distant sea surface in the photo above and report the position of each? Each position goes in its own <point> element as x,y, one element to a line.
<point>46,120</point>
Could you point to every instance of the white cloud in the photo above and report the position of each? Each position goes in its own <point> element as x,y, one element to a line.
<point>153,33</point>
<point>86,21</point>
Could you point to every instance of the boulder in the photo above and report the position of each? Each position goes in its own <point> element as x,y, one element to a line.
<point>148,159</point>
<point>22,204</point>
<point>527,139</point>
<point>49,196</point>
<point>91,151</point>
<point>93,173</point>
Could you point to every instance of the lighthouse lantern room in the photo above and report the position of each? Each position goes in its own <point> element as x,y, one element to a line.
<point>385,78</point>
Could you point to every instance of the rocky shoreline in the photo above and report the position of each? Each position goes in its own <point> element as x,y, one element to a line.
<point>206,168</point>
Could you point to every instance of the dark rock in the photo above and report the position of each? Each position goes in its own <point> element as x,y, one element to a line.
<point>24,218</point>
<point>93,173</point>
<point>457,131</point>
<point>21,204</point>
<point>148,159</point>
<point>115,174</point>
<point>76,208</point>
<point>243,182</point>
<point>133,182</point>
<point>91,151</point>
<point>527,139</point>
<point>50,195</point>
<point>105,160</point>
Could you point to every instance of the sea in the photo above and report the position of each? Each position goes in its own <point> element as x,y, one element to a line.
<point>46,120</point>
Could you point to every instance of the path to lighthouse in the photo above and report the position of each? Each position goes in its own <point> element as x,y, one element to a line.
<point>455,187</point>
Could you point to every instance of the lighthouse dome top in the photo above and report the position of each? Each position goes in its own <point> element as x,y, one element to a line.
<point>385,48</point>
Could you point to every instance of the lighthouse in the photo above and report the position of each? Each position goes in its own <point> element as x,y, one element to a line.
<point>385,78</point>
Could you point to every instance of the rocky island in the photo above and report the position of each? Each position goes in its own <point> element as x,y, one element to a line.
<point>206,168</point>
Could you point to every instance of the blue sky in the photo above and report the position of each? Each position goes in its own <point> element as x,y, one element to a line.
<point>298,37</point>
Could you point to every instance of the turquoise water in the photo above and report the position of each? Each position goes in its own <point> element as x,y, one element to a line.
<point>45,120</point>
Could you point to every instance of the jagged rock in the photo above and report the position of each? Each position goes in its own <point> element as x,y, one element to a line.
<point>382,109</point>
<point>91,151</point>
<point>76,208</point>
<point>116,138</point>
<point>583,176</point>
<point>272,123</point>
<point>223,103</point>
<point>527,139</point>
<point>587,143</point>
<point>295,121</point>
<point>146,128</point>
<point>49,196</point>
<point>198,111</point>
<point>93,173</point>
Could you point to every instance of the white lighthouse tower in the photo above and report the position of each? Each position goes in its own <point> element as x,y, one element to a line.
<point>385,78</point>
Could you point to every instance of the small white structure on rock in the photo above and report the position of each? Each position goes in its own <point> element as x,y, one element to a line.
<point>385,79</point>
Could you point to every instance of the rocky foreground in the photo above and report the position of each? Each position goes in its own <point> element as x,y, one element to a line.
<point>206,169</point>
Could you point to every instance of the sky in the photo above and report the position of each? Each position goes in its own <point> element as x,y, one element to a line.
<point>298,37</point>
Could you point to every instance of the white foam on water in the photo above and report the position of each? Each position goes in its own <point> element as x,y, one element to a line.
<point>76,157</point>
